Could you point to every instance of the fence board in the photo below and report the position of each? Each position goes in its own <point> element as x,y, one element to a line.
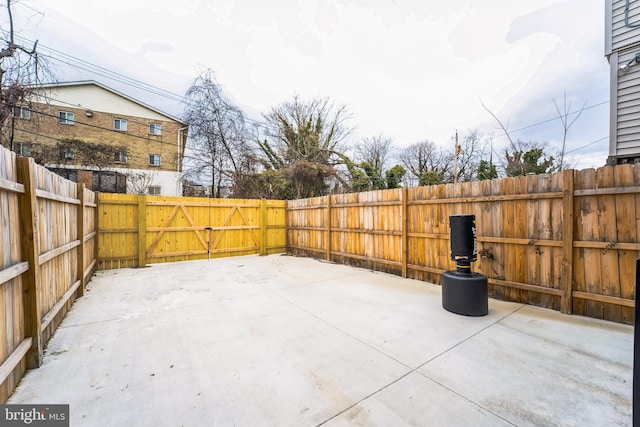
<point>533,253</point>
<point>609,259</point>
<point>626,226</point>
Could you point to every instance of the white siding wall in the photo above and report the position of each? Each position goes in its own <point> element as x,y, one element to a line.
<point>170,182</point>
<point>621,35</point>
<point>95,98</point>
<point>628,107</point>
<point>621,45</point>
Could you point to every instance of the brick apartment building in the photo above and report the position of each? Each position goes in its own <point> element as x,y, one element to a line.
<point>91,133</point>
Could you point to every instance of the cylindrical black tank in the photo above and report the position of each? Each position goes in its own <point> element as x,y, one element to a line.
<point>464,292</point>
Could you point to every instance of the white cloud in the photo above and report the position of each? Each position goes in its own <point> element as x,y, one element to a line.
<point>407,68</point>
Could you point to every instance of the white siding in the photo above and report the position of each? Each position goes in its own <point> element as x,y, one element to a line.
<point>95,98</point>
<point>627,106</point>
<point>621,35</point>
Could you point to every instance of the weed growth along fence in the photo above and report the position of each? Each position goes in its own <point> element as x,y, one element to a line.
<point>567,241</point>
<point>48,250</point>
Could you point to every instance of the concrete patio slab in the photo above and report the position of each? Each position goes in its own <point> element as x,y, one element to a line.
<point>284,341</point>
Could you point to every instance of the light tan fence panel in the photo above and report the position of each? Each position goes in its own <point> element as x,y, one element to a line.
<point>276,231</point>
<point>58,203</point>
<point>12,364</point>
<point>40,262</point>
<point>136,230</point>
<point>117,231</point>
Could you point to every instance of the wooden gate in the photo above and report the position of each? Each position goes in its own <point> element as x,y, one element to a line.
<point>136,230</point>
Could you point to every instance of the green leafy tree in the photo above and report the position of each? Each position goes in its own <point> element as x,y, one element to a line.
<point>269,184</point>
<point>487,170</point>
<point>394,176</point>
<point>431,177</point>
<point>526,161</point>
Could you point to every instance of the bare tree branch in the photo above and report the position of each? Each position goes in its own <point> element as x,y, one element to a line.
<point>566,124</point>
<point>218,135</point>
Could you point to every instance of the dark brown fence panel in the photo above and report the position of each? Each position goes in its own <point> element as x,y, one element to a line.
<point>607,213</point>
<point>566,241</point>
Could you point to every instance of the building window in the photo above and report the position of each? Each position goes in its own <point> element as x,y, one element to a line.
<point>154,190</point>
<point>155,129</point>
<point>23,113</point>
<point>120,157</point>
<point>120,124</point>
<point>66,118</point>
<point>66,154</point>
<point>154,159</point>
<point>23,149</point>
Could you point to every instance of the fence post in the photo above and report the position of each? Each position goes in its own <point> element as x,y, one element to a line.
<point>142,231</point>
<point>636,353</point>
<point>80,233</point>
<point>30,245</point>
<point>327,221</point>
<point>263,227</point>
<point>405,250</point>
<point>566,272</point>
<point>96,246</point>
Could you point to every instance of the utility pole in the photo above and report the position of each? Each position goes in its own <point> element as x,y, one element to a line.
<point>455,159</point>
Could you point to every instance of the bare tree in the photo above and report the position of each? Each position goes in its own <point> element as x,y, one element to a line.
<point>139,182</point>
<point>427,163</point>
<point>21,70</point>
<point>218,136</point>
<point>303,142</point>
<point>531,156</point>
<point>503,126</point>
<point>375,151</point>
<point>563,115</point>
<point>469,156</point>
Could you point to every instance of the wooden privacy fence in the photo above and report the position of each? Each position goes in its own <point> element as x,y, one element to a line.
<point>48,252</point>
<point>136,230</point>
<point>565,241</point>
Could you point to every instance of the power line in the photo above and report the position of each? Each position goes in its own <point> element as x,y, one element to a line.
<point>138,84</point>
<point>105,72</point>
<point>557,118</point>
<point>119,77</point>
<point>588,145</point>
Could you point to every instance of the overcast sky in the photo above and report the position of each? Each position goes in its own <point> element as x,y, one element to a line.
<point>409,69</point>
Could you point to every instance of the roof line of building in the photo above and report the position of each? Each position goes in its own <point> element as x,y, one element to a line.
<point>105,87</point>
